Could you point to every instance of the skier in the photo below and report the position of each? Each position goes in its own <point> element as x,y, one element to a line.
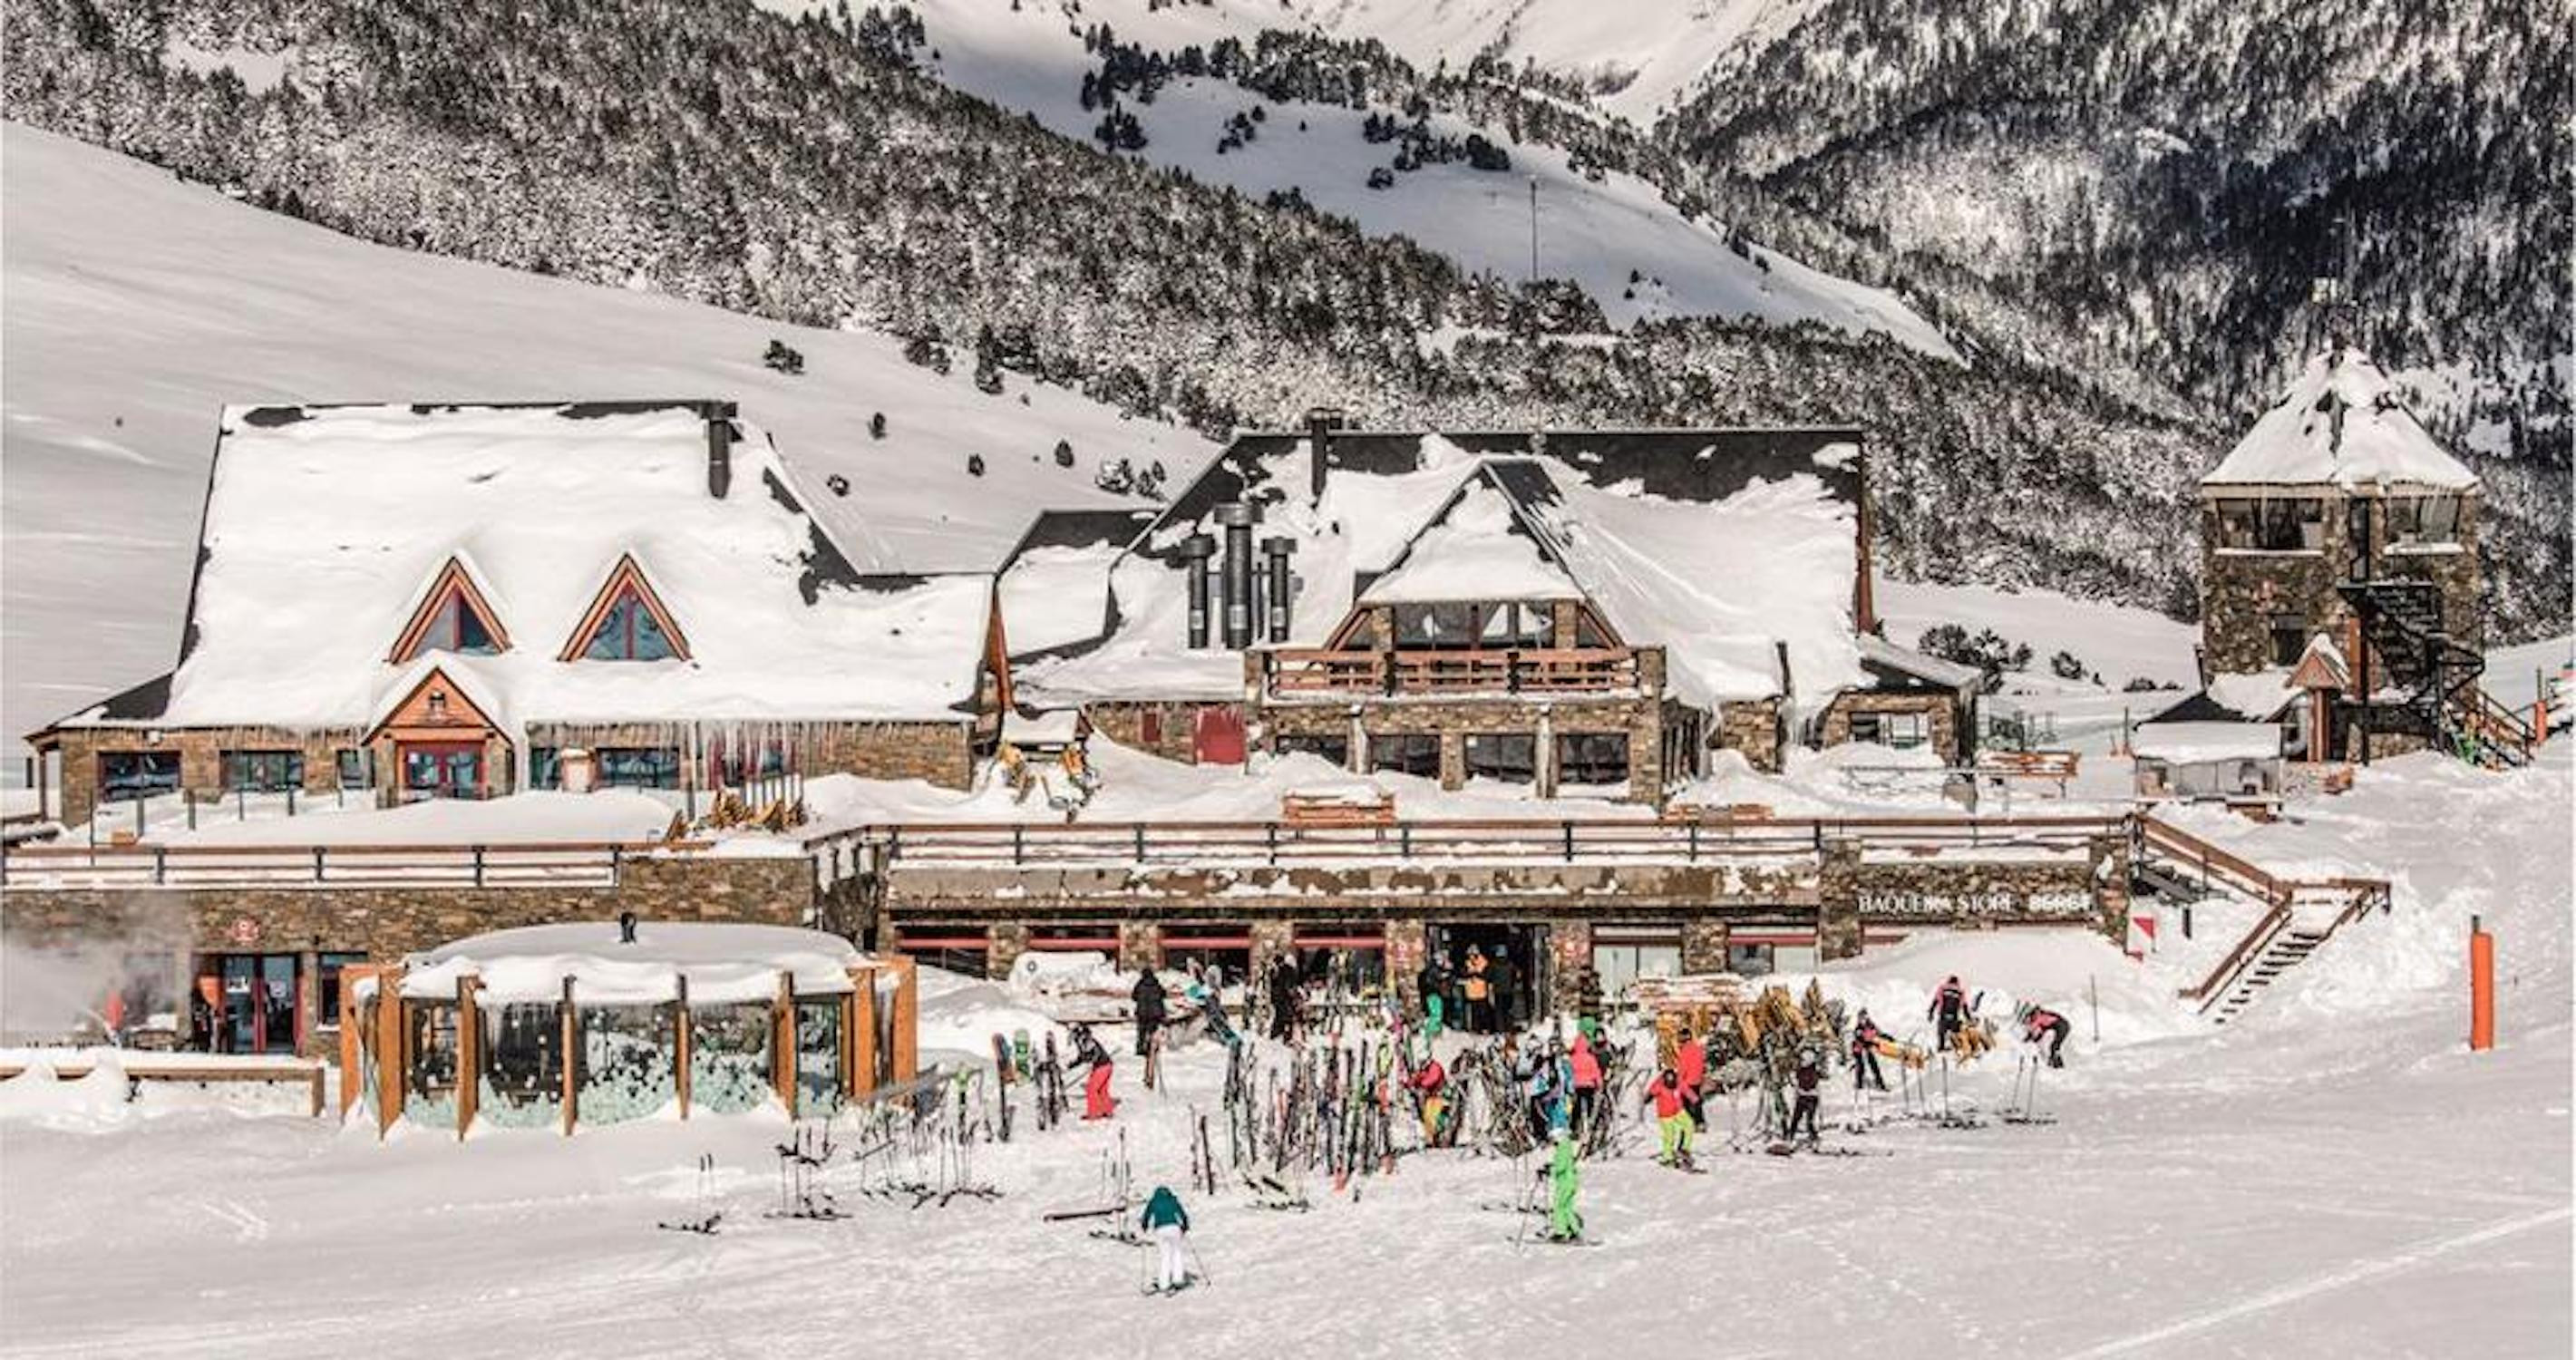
<point>1949,1010</point>
<point>1429,1084</point>
<point>1672,1120</point>
<point>1148,997</point>
<point>1864,1050</point>
<point>1209,997</point>
<point>1541,1088</point>
<point>1564,1180</point>
<point>1478,987</point>
<point>1283,1000</point>
<point>1585,1067</point>
<point>1434,984</point>
<point>2042,1025</point>
<point>1690,1068</point>
<point>1167,1223</point>
<point>1809,1076</point>
<point>1097,1103</point>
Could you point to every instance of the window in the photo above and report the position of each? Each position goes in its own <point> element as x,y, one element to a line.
<point>137,774</point>
<point>1406,753</point>
<point>1512,624</point>
<point>327,993</point>
<point>2272,524</point>
<point>1336,748</point>
<point>545,767</point>
<point>356,770</point>
<point>452,619</point>
<point>735,765</point>
<point>1508,756</point>
<point>628,632</point>
<point>1588,633</point>
<point>1748,960</point>
<point>2289,639</point>
<point>639,767</point>
<point>2423,519</point>
<point>1591,758</point>
<point>1360,635</point>
<point>264,771</point>
<point>1435,625</point>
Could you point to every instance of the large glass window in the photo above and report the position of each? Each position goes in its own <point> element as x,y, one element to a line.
<point>442,770</point>
<point>457,626</point>
<point>356,770</point>
<point>326,996</point>
<point>2272,524</point>
<point>1406,753</point>
<point>1494,624</point>
<point>1508,756</point>
<point>1903,731</point>
<point>1446,624</point>
<point>629,631</point>
<point>137,774</point>
<point>2424,519</point>
<point>818,1056</point>
<point>729,1057</point>
<point>2289,638</point>
<point>522,1064</point>
<point>1591,758</point>
<point>639,767</point>
<point>264,771</point>
<point>629,1062</point>
<point>1335,748</point>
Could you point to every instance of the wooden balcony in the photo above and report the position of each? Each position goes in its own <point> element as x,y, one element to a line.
<point>1292,673</point>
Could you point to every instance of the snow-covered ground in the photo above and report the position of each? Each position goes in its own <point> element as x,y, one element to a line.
<point>1028,54</point>
<point>139,306</point>
<point>2333,1175</point>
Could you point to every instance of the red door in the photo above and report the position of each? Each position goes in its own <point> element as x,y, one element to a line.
<point>442,769</point>
<point>1218,736</point>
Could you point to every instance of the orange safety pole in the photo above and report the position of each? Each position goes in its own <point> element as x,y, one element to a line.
<point>2481,988</point>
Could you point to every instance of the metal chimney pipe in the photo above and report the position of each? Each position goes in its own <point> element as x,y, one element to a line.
<point>1278,549</point>
<point>1238,518</point>
<point>1196,552</point>
<point>1321,421</point>
<point>719,418</point>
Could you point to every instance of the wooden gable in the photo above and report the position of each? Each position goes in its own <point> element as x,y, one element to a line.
<point>626,578</point>
<point>434,709</point>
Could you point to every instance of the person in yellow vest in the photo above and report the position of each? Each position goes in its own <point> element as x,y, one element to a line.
<point>1478,988</point>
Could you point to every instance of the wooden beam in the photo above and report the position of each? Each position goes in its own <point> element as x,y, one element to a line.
<point>352,1070</point>
<point>393,1049</point>
<point>863,1051</point>
<point>569,1025</point>
<point>846,1060</point>
<point>782,1044</point>
<point>680,1043</point>
<point>469,1055</point>
<point>907,1019</point>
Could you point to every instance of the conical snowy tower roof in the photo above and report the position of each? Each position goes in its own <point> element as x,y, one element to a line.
<point>2341,424</point>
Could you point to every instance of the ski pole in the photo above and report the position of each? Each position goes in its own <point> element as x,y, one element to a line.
<point>1197,1262</point>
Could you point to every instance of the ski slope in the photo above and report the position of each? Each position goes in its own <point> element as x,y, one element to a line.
<point>1028,55</point>
<point>139,306</point>
<point>2333,1176</point>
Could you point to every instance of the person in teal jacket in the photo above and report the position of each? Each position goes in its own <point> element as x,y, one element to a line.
<point>1166,1222</point>
<point>1563,1181</point>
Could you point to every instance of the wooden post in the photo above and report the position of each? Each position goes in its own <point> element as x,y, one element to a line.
<point>848,1056</point>
<point>782,1045</point>
<point>907,1020</point>
<point>680,1044</point>
<point>2481,987</point>
<point>568,1026</point>
<point>351,1070</point>
<point>393,1047</point>
<point>863,1004</point>
<point>469,1055</point>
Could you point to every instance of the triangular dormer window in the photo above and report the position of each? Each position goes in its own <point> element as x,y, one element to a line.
<point>627,622</point>
<point>453,617</point>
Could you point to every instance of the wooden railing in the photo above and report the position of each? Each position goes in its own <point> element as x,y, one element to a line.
<point>557,864</point>
<point>142,1066</point>
<point>1293,672</point>
<point>1194,844</point>
<point>2353,898</point>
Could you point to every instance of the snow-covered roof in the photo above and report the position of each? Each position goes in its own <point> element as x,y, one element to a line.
<point>2257,696</point>
<point>1878,651</point>
<point>2191,743</point>
<point>1718,545</point>
<point>2322,665</point>
<point>1055,582</point>
<point>723,962</point>
<point>326,526</point>
<point>2341,424</point>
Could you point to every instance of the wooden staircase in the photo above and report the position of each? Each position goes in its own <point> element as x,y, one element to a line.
<point>2302,914</point>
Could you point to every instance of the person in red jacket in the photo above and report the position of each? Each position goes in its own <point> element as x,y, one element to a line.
<point>1690,1069</point>
<point>1097,1103</point>
<point>1430,1086</point>
<point>1865,1037</point>
<point>1671,1120</point>
<point>1809,1078</point>
<point>2042,1025</point>
<point>1586,1066</point>
<point>1948,1011</point>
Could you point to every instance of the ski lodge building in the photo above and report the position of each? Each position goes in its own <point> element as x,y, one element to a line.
<point>2340,614</point>
<point>409,604</point>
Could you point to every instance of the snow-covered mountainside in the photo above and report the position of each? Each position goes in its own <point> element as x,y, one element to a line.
<point>1614,234</point>
<point>139,306</point>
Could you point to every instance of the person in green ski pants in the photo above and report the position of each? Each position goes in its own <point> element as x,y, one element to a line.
<point>1563,1181</point>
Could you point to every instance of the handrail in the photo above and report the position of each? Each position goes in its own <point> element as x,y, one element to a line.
<point>1403,670</point>
<point>492,864</point>
<point>2223,978</point>
<point>2280,894</point>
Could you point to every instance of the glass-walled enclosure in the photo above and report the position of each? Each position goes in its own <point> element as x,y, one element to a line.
<point>522,1070</point>
<point>630,1061</point>
<point>729,1058</point>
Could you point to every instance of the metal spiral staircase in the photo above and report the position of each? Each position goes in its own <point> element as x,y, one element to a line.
<point>2427,684</point>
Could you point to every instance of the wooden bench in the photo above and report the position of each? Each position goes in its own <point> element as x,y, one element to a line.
<point>2054,765</point>
<point>1321,810</point>
<point>1730,812</point>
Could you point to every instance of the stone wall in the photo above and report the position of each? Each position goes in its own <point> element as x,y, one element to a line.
<point>1408,943</point>
<point>386,923</point>
<point>1944,712</point>
<point>200,750</point>
<point>1704,945</point>
<point>1950,891</point>
<point>2241,590</point>
<point>1140,946</point>
<point>1753,727</point>
<point>1169,730</point>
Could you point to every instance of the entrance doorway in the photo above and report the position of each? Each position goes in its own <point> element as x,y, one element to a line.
<point>1517,983</point>
<point>255,1005</point>
<point>442,769</point>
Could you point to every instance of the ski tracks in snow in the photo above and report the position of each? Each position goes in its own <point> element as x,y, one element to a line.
<point>2325,1282</point>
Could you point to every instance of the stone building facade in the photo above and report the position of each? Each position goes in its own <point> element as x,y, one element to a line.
<point>2259,606</point>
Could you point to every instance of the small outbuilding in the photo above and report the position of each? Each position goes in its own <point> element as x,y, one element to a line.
<point>598,1022</point>
<point>2238,762</point>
